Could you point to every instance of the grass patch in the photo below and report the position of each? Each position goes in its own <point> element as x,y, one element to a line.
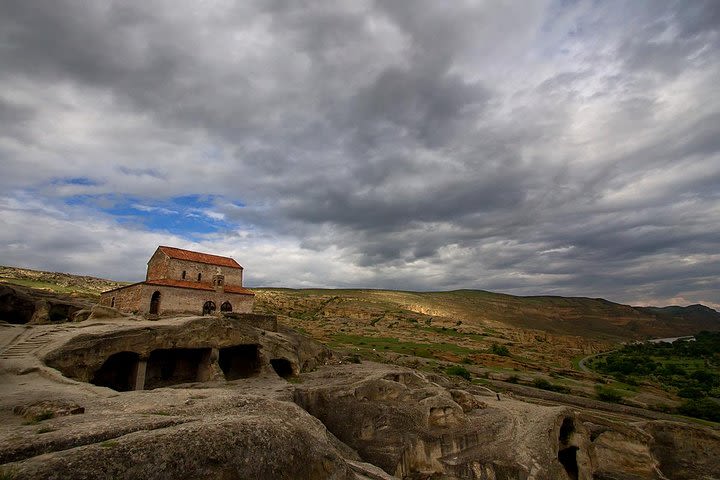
<point>690,367</point>
<point>109,444</point>
<point>459,371</point>
<point>425,350</point>
<point>8,473</point>
<point>452,332</point>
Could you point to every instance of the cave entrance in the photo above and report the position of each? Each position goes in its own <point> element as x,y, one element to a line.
<point>568,459</point>
<point>167,367</point>
<point>208,307</point>
<point>282,367</point>
<point>60,312</point>
<point>155,303</point>
<point>118,372</point>
<point>567,454</point>
<point>14,307</point>
<point>566,429</point>
<point>240,361</point>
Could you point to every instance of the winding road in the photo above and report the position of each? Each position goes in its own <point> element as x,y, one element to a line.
<point>581,363</point>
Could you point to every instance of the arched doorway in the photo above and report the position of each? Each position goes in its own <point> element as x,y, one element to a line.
<point>226,307</point>
<point>118,372</point>
<point>155,303</point>
<point>209,307</point>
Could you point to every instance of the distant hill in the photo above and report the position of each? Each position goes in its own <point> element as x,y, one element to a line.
<point>692,314</point>
<point>57,282</point>
<point>585,317</point>
<point>463,310</point>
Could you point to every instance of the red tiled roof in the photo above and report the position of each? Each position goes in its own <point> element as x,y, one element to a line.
<point>240,290</point>
<point>208,258</point>
<point>169,282</point>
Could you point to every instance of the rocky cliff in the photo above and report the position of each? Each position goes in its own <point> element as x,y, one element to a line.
<point>221,398</point>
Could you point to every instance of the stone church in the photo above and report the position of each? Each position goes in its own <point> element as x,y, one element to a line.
<point>183,281</point>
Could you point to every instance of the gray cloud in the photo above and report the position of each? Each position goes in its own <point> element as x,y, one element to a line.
<point>559,147</point>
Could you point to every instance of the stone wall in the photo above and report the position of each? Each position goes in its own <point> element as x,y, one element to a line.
<point>186,300</point>
<point>157,266</point>
<point>136,299</point>
<point>160,266</point>
<point>125,299</point>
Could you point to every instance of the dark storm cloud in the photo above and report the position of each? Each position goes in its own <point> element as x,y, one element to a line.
<point>429,107</point>
<point>561,147</point>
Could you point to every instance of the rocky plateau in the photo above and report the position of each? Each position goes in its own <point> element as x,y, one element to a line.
<point>240,397</point>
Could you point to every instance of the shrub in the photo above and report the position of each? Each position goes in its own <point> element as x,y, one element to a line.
<point>501,350</point>
<point>705,408</point>
<point>513,379</point>
<point>545,385</point>
<point>459,371</point>
<point>542,383</point>
<point>691,392</point>
<point>608,394</point>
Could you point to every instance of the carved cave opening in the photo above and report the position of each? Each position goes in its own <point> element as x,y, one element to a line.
<point>118,372</point>
<point>240,361</point>
<point>14,308</point>
<point>567,454</point>
<point>60,312</point>
<point>282,367</point>
<point>568,459</point>
<point>566,429</point>
<point>167,367</point>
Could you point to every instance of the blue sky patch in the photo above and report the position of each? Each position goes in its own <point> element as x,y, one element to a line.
<point>187,215</point>
<point>74,181</point>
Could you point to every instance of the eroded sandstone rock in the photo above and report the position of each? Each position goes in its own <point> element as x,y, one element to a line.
<point>45,409</point>
<point>265,439</point>
<point>411,427</point>
<point>217,405</point>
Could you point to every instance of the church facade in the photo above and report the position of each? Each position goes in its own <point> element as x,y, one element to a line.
<point>183,281</point>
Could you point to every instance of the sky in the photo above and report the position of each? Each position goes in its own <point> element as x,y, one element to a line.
<point>528,147</point>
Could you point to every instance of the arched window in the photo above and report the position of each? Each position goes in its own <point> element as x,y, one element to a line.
<point>226,307</point>
<point>199,276</point>
<point>184,274</point>
<point>209,307</point>
<point>155,303</point>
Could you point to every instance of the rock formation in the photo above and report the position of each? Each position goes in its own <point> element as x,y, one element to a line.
<point>21,305</point>
<point>237,396</point>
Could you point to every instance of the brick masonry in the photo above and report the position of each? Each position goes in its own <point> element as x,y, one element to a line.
<point>160,266</point>
<point>136,298</point>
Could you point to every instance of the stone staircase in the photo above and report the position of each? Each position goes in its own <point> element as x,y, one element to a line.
<point>29,342</point>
